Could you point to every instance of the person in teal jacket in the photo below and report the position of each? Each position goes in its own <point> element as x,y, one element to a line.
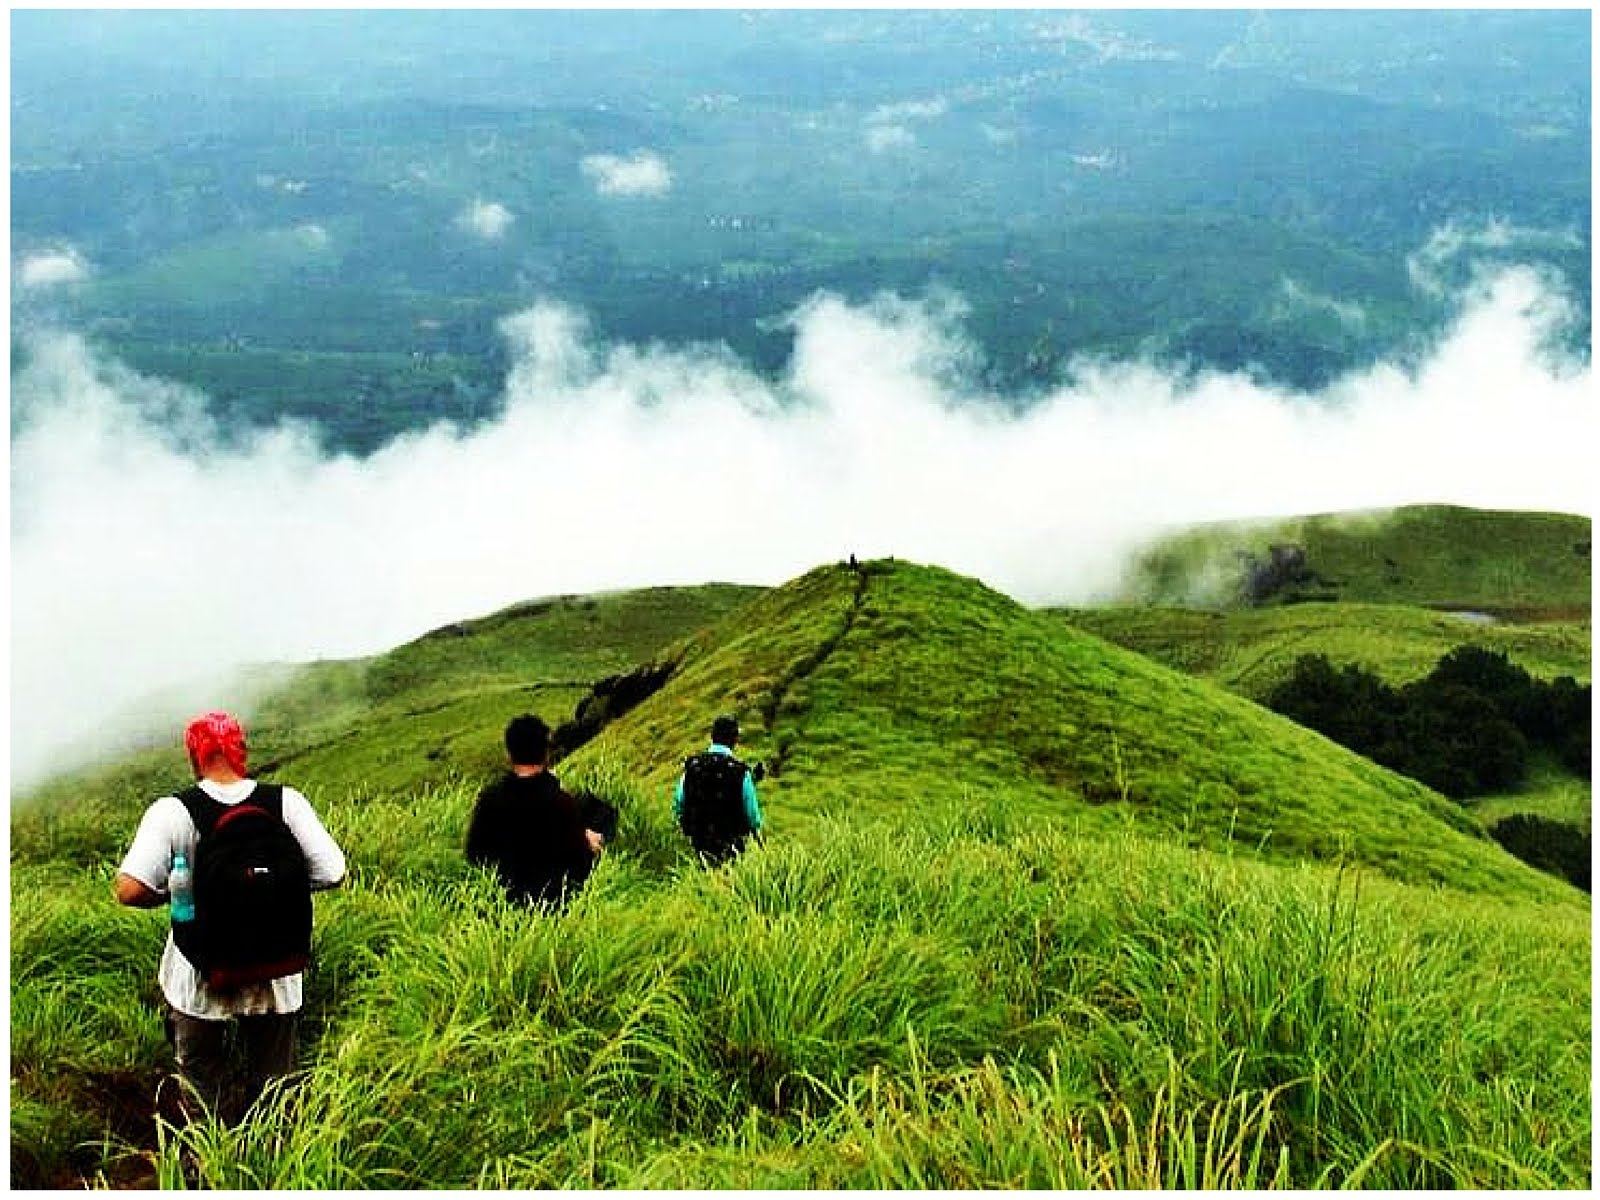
<point>715,801</point>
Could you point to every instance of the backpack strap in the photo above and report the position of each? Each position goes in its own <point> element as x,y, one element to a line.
<point>205,810</point>
<point>268,796</point>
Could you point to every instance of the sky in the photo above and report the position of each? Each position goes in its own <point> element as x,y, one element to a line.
<point>150,555</point>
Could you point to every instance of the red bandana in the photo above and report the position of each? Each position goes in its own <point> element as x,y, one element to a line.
<point>212,734</point>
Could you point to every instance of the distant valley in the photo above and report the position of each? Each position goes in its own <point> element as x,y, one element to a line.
<point>1226,190</point>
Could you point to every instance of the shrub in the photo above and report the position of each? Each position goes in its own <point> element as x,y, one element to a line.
<point>1465,730</point>
<point>1552,846</point>
<point>1457,741</point>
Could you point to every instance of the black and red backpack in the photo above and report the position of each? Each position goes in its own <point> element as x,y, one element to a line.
<point>252,891</point>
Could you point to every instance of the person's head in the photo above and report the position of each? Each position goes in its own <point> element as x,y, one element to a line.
<point>725,731</point>
<point>215,742</point>
<point>528,741</point>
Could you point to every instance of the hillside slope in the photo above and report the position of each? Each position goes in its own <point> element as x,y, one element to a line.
<point>896,686</point>
<point>399,722</point>
<point>1515,564</point>
<point>1250,651</point>
<point>436,706</point>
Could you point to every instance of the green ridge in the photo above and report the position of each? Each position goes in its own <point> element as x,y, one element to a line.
<point>1431,556</point>
<point>921,687</point>
<point>1250,651</point>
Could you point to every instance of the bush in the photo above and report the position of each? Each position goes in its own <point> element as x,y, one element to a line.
<point>1552,846</point>
<point>1465,730</point>
<point>1458,742</point>
<point>1349,705</point>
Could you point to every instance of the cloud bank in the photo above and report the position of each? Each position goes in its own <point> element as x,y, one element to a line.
<point>145,554</point>
<point>642,174</point>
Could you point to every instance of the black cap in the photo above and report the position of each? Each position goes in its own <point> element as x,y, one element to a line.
<point>725,730</point>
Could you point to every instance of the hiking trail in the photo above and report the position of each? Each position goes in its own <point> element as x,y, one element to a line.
<point>806,666</point>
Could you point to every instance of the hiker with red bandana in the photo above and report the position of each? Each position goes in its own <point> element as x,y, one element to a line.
<point>233,961</point>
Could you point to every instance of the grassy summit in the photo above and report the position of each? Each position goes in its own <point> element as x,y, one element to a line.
<point>896,686</point>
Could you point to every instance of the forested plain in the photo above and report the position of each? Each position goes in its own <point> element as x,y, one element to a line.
<point>1256,193</point>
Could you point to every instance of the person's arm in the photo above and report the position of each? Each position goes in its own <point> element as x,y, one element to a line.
<point>141,879</point>
<point>484,836</point>
<point>752,805</point>
<point>677,802</point>
<point>136,894</point>
<point>583,843</point>
<point>324,860</point>
<point>477,839</point>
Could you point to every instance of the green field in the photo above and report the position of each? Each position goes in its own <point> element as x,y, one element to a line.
<point>1251,651</point>
<point>1035,910</point>
<point>1508,564</point>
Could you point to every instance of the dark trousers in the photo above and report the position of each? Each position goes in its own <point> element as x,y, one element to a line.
<point>204,1058</point>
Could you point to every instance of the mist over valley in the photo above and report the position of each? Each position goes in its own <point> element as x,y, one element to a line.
<point>408,317</point>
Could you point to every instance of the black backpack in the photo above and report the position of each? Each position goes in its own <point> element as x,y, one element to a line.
<point>713,816</point>
<point>252,891</point>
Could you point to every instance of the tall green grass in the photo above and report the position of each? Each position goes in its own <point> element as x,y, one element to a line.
<point>980,1000</point>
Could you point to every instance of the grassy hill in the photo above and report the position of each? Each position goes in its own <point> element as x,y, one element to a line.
<point>1511,564</point>
<point>428,711</point>
<point>1036,910</point>
<point>1251,651</point>
<point>859,689</point>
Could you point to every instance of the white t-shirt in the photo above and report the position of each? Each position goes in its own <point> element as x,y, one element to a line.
<point>167,829</point>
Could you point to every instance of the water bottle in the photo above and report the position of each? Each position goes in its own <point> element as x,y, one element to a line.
<point>180,887</point>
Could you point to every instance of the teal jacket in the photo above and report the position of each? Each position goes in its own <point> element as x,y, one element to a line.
<point>752,805</point>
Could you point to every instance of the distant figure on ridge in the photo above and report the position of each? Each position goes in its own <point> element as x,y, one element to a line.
<point>238,861</point>
<point>715,801</point>
<point>527,828</point>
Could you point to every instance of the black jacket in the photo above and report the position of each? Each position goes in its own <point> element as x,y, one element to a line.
<point>532,833</point>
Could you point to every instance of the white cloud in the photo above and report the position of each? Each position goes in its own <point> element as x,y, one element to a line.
<point>145,557</point>
<point>888,127</point>
<point>1103,160</point>
<point>1294,296</point>
<point>883,138</point>
<point>487,219</point>
<point>644,173</point>
<point>1108,44</point>
<point>51,268</point>
<point>909,110</point>
<point>1454,251</point>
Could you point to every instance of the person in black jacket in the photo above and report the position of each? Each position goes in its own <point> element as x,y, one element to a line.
<point>527,828</point>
